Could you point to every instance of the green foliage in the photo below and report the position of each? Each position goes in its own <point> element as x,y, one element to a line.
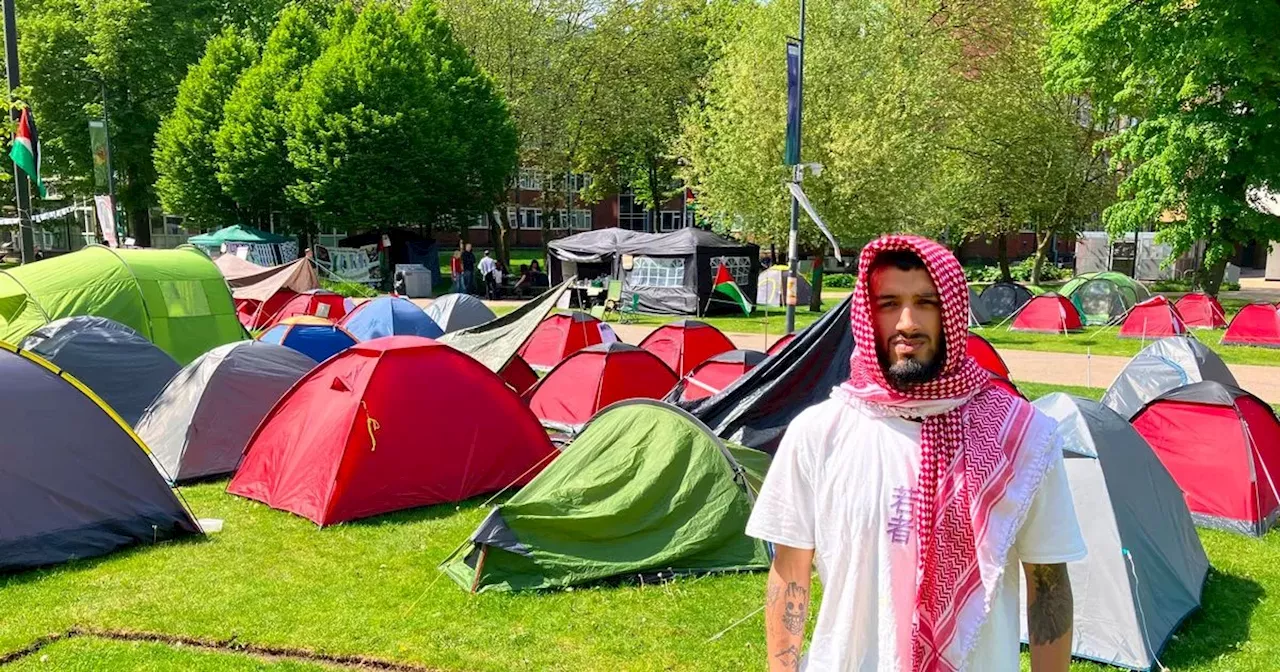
<point>252,161</point>
<point>395,123</point>
<point>184,155</point>
<point>1196,83</point>
<point>1020,272</point>
<point>349,289</point>
<point>839,280</point>
<point>1186,286</point>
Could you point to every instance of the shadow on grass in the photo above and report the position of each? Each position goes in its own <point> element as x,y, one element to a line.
<point>429,513</point>
<point>1221,625</point>
<point>87,564</point>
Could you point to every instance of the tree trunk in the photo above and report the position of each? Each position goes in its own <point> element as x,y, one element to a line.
<point>815,297</point>
<point>1042,249</point>
<point>139,219</point>
<point>498,237</point>
<point>654,191</point>
<point>1002,255</point>
<point>1211,277</point>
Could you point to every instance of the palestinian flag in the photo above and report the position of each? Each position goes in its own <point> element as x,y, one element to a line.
<point>725,285</point>
<point>25,149</point>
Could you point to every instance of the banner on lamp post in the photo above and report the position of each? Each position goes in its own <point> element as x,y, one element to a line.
<point>792,156</point>
<point>98,144</point>
<point>106,212</point>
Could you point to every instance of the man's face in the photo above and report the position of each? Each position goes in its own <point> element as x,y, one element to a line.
<point>907,311</point>
<point>468,247</point>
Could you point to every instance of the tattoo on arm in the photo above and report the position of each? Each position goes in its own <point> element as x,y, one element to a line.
<point>797,608</point>
<point>789,657</point>
<point>1049,614</point>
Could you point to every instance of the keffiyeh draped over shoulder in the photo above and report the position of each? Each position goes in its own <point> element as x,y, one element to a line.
<point>984,453</point>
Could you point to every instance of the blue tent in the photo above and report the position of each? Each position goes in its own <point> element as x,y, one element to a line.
<point>390,316</point>
<point>314,337</point>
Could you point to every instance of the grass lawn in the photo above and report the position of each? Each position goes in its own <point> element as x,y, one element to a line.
<point>1104,341</point>
<point>370,588</point>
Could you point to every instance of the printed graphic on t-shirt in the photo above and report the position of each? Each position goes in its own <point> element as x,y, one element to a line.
<point>903,520</point>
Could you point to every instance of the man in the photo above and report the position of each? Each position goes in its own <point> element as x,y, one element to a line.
<point>918,488</point>
<point>487,266</point>
<point>468,269</point>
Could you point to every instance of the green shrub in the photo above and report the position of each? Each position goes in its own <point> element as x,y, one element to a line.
<point>838,280</point>
<point>1185,286</point>
<point>349,289</point>
<point>1020,272</point>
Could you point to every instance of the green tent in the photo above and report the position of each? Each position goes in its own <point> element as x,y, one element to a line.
<point>1104,297</point>
<point>176,298</point>
<point>646,489</point>
<point>236,234</point>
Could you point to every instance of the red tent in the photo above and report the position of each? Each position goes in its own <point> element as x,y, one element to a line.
<point>386,425</point>
<point>518,375</point>
<point>594,377</point>
<point>561,335</point>
<point>980,349</point>
<point>684,344</point>
<point>1201,311</point>
<point>318,302</point>
<point>780,344</point>
<point>258,315</point>
<point>1255,324</point>
<point>1222,446</point>
<point>1153,318</point>
<point>719,372</point>
<point>1006,385</point>
<point>1052,313</point>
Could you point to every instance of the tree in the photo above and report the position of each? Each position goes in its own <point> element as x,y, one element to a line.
<point>184,155</point>
<point>394,123</point>
<point>252,160</point>
<point>1195,84</point>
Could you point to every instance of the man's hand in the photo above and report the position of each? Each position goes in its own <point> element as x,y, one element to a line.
<point>786,606</point>
<point>1049,615</point>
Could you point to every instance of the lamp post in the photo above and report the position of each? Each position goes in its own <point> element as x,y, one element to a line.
<point>21,186</point>
<point>795,50</point>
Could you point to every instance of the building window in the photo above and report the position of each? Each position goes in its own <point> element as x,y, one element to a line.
<point>480,222</point>
<point>671,220</point>
<point>657,272</point>
<point>740,267</point>
<point>530,179</point>
<point>560,222</point>
<point>580,220</point>
<point>531,218</point>
<point>631,214</point>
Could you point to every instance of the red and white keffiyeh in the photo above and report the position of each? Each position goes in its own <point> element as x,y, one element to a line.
<point>984,453</point>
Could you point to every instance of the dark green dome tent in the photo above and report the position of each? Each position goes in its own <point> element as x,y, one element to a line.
<point>1104,297</point>
<point>645,490</point>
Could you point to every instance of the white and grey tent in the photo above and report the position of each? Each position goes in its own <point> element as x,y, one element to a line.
<point>1166,364</point>
<point>1003,299</point>
<point>454,312</point>
<point>199,425</point>
<point>120,365</point>
<point>1146,568</point>
<point>771,287</point>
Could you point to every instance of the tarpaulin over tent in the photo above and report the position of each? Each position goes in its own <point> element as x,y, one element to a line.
<point>124,369</point>
<point>1256,324</point>
<point>495,342</point>
<point>645,490</point>
<point>593,378</point>
<point>261,284</point>
<point>389,316</point>
<point>177,299</point>
<point>590,254</point>
<point>199,424</point>
<point>76,481</point>
<point>1146,567</point>
<point>1165,365</point>
<point>385,426</point>
<point>1201,311</point>
<point>1222,445</point>
<point>455,312</point>
<point>1154,318</point>
<point>756,409</point>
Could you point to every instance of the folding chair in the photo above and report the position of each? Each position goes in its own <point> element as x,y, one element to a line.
<point>629,312</point>
<point>612,300</point>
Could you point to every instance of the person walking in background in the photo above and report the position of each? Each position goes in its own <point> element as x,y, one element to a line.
<point>468,269</point>
<point>487,266</point>
<point>455,269</point>
<point>921,490</point>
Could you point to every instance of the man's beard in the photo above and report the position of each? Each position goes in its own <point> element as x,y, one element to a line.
<point>909,371</point>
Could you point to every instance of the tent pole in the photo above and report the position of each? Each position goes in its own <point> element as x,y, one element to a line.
<point>484,553</point>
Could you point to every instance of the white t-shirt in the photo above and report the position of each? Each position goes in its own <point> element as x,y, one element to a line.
<point>841,483</point>
<point>486,265</point>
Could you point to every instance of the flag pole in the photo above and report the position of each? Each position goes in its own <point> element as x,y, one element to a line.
<point>21,184</point>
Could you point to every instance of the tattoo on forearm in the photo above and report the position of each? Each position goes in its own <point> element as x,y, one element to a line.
<point>1049,615</point>
<point>797,608</point>
<point>771,597</point>
<point>789,657</point>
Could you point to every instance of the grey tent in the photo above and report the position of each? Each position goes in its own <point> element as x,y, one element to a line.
<point>75,482</point>
<point>1146,567</point>
<point>771,287</point>
<point>121,366</point>
<point>978,313</point>
<point>755,409</point>
<point>1003,299</point>
<point>1164,365</point>
<point>590,254</point>
<point>199,425</point>
<point>454,312</point>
